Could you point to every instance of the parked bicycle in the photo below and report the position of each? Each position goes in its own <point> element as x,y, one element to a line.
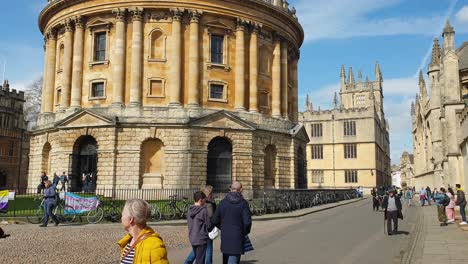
<point>175,208</point>
<point>109,211</point>
<point>64,213</point>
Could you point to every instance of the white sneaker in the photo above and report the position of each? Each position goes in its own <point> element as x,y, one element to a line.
<point>463,223</point>
<point>451,221</point>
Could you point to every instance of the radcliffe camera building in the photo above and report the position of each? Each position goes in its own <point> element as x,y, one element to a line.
<point>349,144</point>
<point>439,118</point>
<point>171,94</point>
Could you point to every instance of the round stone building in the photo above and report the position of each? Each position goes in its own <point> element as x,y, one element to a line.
<point>170,94</point>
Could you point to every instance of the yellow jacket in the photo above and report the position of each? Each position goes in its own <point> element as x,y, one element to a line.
<point>149,251</point>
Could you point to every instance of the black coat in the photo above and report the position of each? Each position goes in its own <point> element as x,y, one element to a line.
<point>398,205</point>
<point>234,219</point>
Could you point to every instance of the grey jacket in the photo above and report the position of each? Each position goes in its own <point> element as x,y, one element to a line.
<point>199,225</point>
<point>461,200</point>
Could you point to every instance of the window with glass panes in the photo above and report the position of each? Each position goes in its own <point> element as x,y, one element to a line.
<point>349,128</point>
<point>97,89</point>
<point>351,176</point>
<point>217,91</point>
<point>317,151</point>
<point>100,46</point>
<point>217,49</point>
<point>316,130</point>
<point>350,151</point>
<point>317,176</point>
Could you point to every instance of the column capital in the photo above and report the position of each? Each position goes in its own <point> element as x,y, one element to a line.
<point>120,14</point>
<point>68,25</point>
<point>51,34</point>
<point>241,23</point>
<point>177,13</point>
<point>137,13</point>
<point>277,38</point>
<point>255,27</point>
<point>195,15</point>
<point>79,21</point>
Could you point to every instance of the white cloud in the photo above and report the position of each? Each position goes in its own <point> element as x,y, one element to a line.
<point>462,15</point>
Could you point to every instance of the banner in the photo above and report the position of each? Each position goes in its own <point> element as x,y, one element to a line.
<point>81,204</point>
<point>4,200</point>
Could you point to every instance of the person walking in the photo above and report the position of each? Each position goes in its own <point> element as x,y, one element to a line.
<point>55,180</point>
<point>49,204</point>
<point>233,217</point>
<point>375,200</point>
<point>450,208</point>
<point>461,202</point>
<point>63,179</point>
<point>422,196</point>
<point>199,224</point>
<point>441,201</point>
<point>42,182</point>
<point>409,196</point>
<point>434,193</point>
<point>392,207</point>
<point>428,195</point>
<point>142,244</point>
<point>211,207</point>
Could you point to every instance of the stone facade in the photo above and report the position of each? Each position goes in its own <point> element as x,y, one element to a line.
<point>349,144</point>
<point>166,94</point>
<point>14,140</point>
<point>439,136</point>
<point>406,168</point>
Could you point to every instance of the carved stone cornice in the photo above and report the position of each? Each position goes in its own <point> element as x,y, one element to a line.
<point>68,25</point>
<point>51,34</point>
<point>137,13</point>
<point>177,13</point>
<point>80,21</point>
<point>277,38</point>
<point>195,16</point>
<point>120,14</point>
<point>241,23</point>
<point>255,27</point>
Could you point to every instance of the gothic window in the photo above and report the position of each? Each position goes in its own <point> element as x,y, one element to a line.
<point>219,165</point>
<point>100,46</point>
<point>317,176</point>
<point>157,46</point>
<point>317,151</point>
<point>349,128</point>
<point>156,88</point>
<point>269,166</point>
<point>316,130</point>
<point>351,176</point>
<point>361,100</point>
<point>217,49</point>
<point>350,151</point>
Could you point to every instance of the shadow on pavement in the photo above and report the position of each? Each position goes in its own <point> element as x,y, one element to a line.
<point>248,261</point>
<point>402,233</point>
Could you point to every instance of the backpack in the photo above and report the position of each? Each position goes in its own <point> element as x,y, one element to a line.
<point>446,200</point>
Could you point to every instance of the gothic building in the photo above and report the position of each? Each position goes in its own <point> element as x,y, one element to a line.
<point>438,117</point>
<point>349,144</point>
<point>171,94</point>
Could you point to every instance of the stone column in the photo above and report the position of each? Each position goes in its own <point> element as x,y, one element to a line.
<point>176,58</point>
<point>50,79</point>
<point>253,69</point>
<point>295,95</point>
<point>67,66</point>
<point>194,59</point>
<point>77,75</point>
<point>276,80</point>
<point>44,78</point>
<point>284,80</point>
<point>240,66</point>
<point>136,76</point>
<point>118,62</point>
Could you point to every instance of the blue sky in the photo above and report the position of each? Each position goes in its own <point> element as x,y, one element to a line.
<point>357,33</point>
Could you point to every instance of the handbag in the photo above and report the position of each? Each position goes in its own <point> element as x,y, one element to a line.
<point>247,244</point>
<point>214,233</point>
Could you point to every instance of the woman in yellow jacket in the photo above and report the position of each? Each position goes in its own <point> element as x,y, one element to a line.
<point>142,245</point>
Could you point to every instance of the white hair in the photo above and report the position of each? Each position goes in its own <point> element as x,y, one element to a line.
<point>139,209</point>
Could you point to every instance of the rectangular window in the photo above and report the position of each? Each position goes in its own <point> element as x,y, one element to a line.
<point>217,91</point>
<point>11,149</point>
<point>97,90</point>
<point>351,176</point>
<point>217,42</point>
<point>59,96</point>
<point>156,88</point>
<point>350,151</point>
<point>317,176</point>
<point>316,130</point>
<point>349,128</point>
<point>100,44</point>
<point>317,152</point>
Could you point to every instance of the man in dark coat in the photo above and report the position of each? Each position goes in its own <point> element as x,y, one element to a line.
<point>234,219</point>
<point>392,206</point>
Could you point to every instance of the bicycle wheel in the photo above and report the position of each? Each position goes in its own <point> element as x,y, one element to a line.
<point>37,217</point>
<point>113,214</point>
<point>168,212</point>
<point>65,214</point>
<point>184,208</point>
<point>95,216</point>
<point>155,213</point>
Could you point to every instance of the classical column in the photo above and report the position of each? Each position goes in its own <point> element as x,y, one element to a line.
<point>118,61</point>
<point>77,75</point>
<point>253,69</point>
<point>44,78</point>
<point>194,59</point>
<point>67,65</point>
<point>284,80</point>
<point>240,65</point>
<point>50,79</point>
<point>295,87</point>
<point>176,58</point>
<point>136,77</point>
<point>276,80</point>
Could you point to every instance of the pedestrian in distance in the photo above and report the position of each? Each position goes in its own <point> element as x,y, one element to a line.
<point>441,201</point>
<point>461,202</point>
<point>199,225</point>
<point>450,208</point>
<point>142,244</point>
<point>428,195</point>
<point>393,210</point>
<point>234,219</point>
<point>55,180</point>
<point>409,196</point>
<point>49,204</point>
<point>63,179</point>
<point>211,207</point>
<point>422,196</point>
<point>434,193</point>
<point>41,185</point>
<point>375,200</point>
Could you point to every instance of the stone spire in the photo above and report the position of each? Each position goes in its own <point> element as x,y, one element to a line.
<point>413,109</point>
<point>311,106</point>
<point>343,78</point>
<point>307,104</point>
<point>449,37</point>
<point>351,76</point>
<point>367,78</point>
<point>378,73</point>
<point>422,86</point>
<point>335,101</point>
<point>435,60</point>
<point>359,76</point>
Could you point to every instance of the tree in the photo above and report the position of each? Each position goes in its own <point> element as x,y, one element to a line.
<point>33,97</point>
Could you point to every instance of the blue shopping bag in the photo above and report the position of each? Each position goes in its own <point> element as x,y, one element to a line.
<point>247,244</point>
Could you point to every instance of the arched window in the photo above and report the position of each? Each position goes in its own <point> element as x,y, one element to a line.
<point>60,58</point>
<point>301,180</point>
<point>151,163</point>
<point>219,166</point>
<point>46,158</point>
<point>157,45</point>
<point>269,172</point>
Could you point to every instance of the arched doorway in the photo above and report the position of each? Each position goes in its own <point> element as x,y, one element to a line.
<point>219,165</point>
<point>269,167</point>
<point>301,179</point>
<point>84,161</point>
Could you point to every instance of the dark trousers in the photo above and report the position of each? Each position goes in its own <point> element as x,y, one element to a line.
<point>375,203</point>
<point>392,216</point>
<point>200,253</point>
<point>462,212</point>
<point>231,259</point>
<point>48,208</point>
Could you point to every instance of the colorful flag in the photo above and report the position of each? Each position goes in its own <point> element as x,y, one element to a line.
<point>80,204</point>
<point>4,200</point>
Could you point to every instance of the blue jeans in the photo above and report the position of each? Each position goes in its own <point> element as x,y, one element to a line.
<point>208,257</point>
<point>48,207</point>
<point>423,201</point>
<point>463,213</point>
<point>231,259</point>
